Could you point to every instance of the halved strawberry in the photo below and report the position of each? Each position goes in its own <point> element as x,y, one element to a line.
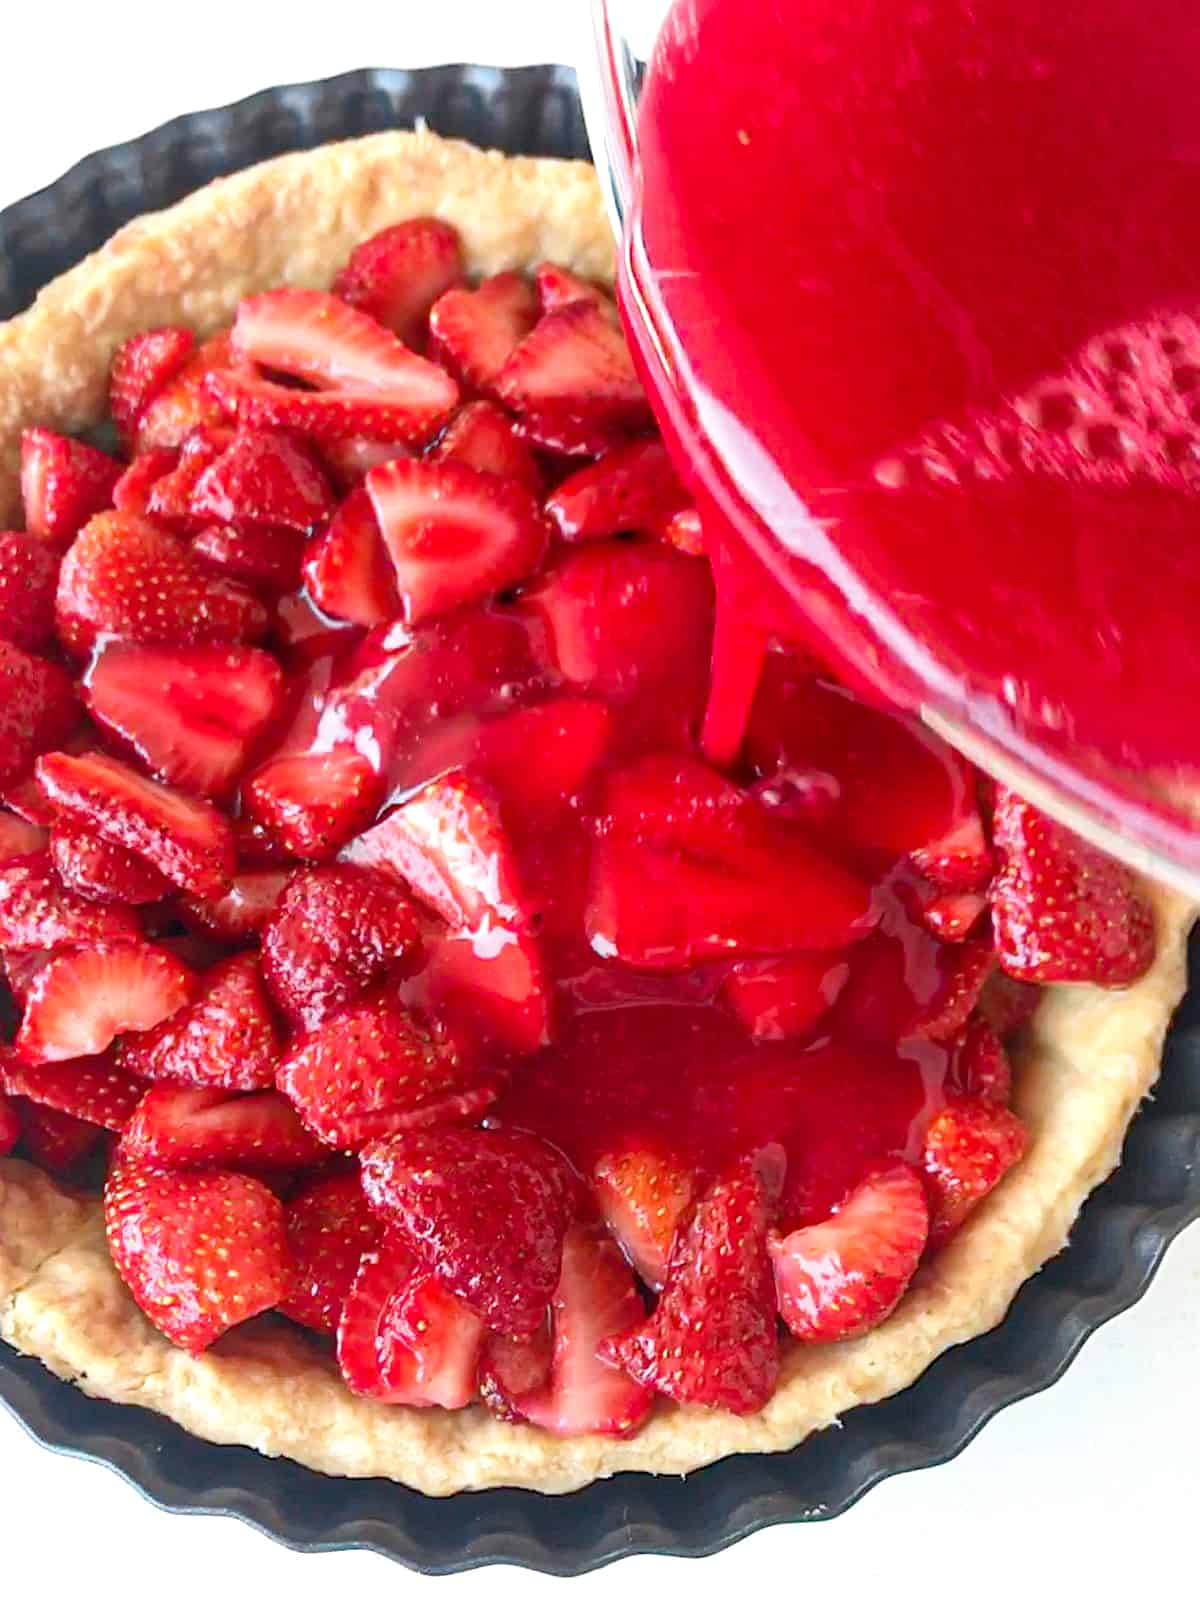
<point>784,997</point>
<point>474,331</point>
<point>835,1279</point>
<point>969,1146</point>
<point>559,286</point>
<point>180,1126</point>
<point>575,363</point>
<point>54,1139</point>
<point>539,757</point>
<point>28,578</point>
<point>224,1039</point>
<point>93,1089</point>
<point>264,479</point>
<point>493,983</point>
<point>349,460</point>
<point>1062,911</point>
<point>19,838</point>
<point>980,1066</point>
<point>64,482</point>
<point>10,1125</point>
<point>404,1339</point>
<point>485,1211</point>
<point>313,802</point>
<point>711,1339</point>
<point>644,1194</point>
<point>38,708</point>
<point>689,868</point>
<point>39,912</point>
<point>269,559</point>
<point>126,578</point>
<point>482,437</point>
<point>347,568</point>
<point>200,1251</point>
<point>191,713</point>
<point>188,840</point>
<point>335,933</point>
<point>397,274</point>
<point>373,1068</point>
<point>329,1227</point>
<point>512,1366</point>
<point>170,498</point>
<point>960,860</point>
<point>596,1300</point>
<point>241,913</point>
<point>97,869</point>
<point>952,917</point>
<point>136,484</point>
<point>454,535</point>
<point>630,489</point>
<point>326,416</point>
<point>184,404</point>
<point>1007,1003</point>
<point>82,999</point>
<point>449,845</point>
<point>141,370</point>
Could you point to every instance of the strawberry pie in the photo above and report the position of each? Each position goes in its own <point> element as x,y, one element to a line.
<point>421,1062</point>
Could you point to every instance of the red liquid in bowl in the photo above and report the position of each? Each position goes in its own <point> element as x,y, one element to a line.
<point>917,286</point>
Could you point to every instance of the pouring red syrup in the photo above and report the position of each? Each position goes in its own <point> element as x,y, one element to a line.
<point>915,291</point>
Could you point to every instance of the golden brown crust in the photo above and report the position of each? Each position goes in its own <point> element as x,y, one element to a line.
<point>1090,1057</point>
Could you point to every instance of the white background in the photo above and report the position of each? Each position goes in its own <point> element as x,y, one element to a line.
<point>1092,1484</point>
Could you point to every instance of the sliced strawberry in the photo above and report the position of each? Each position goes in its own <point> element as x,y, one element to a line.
<point>482,437</point>
<point>689,868</point>
<point>1007,1003</point>
<point>960,861</point>
<point>141,370</point>
<point>513,1366</point>
<point>560,431</point>
<point>170,498</point>
<point>403,1338</point>
<point>10,1125</point>
<point>904,984</point>
<point>329,1227</point>
<point>485,1211</point>
<point>189,841</point>
<point>454,535</point>
<point>631,489</point>
<point>952,917</point>
<point>92,1089</point>
<point>644,1195</point>
<point>264,479</point>
<point>969,1146</point>
<point>19,838</point>
<point>559,286</point>
<point>270,559</point>
<point>191,713</point>
<point>784,997</point>
<point>135,485</point>
<point>38,708</point>
<point>347,568</point>
<point>449,845</point>
<point>349,460</point>
<point>126,578</point>
<point>336,932</point>
<point>980,1067</point>
<point>97,869</point>
<point>315,801</point>
<point>711,1339</point>
<point>21,967</point>
<point>54,1139</point>
<point>179,1126</point>
<point>397,274</point>
<point>39,912</point>
<point>575,362</point>
<point>28,579</point>
<point>244,910</point>
<point>82,999</point>
<point>539,757</point>
<point>494,985</point>
<point>835,1279</point>
<point>200,1251</point>
<point>64,482</point>
<point>596,1300</point>
<point>1062,911</point>
<point>327,416</point>
<point>224,1039</point>
<point>475,331</point>
<point>373,1068</point>
<point>183,404</point>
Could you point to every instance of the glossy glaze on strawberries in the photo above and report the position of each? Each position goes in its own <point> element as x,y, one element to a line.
<point>363,886</point>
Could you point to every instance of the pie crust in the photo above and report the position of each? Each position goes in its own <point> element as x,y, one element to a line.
<point>1088,1057</point>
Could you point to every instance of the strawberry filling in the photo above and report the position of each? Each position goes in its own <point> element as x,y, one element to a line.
<point>374,862</point>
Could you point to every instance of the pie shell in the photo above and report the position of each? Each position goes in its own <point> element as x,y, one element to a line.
<point>1083,1066</point>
